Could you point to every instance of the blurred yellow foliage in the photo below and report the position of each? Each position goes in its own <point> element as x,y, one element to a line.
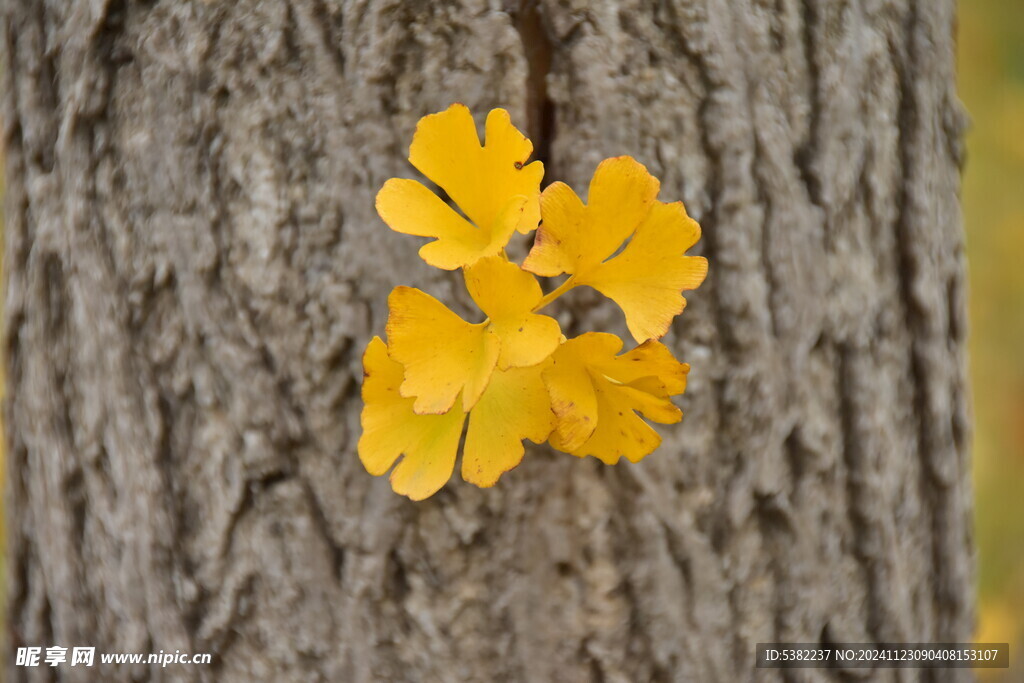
<point>991,82</point>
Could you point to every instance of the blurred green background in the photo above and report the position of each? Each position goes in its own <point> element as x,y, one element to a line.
<point>991,83</point>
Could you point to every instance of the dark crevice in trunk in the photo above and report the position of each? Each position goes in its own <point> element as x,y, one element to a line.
<point>538,51</point>
<point>805,154</point>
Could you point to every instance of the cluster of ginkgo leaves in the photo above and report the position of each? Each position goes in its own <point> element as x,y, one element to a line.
<point>515,376</point>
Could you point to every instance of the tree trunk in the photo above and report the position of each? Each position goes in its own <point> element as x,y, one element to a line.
<point>194,266</point>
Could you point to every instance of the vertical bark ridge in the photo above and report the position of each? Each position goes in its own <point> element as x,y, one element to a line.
<point>937,377</point>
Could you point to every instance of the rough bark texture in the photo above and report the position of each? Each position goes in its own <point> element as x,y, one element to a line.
<point>194,266</point>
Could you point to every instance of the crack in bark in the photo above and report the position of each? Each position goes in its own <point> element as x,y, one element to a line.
<point>805,155</point>
<point>538,52</point>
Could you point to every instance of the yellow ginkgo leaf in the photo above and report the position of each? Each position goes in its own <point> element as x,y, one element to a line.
<point>620,431</point>
<point>596,394</point>
<point>514,407</point>
<point>441,353</point>
<point>508,294</point>
<point>391,429</point>
<point>650,365</point>
<point>407,206</point>
<point>481,180</point>
<point>647,279</point>
<point>575,237</point>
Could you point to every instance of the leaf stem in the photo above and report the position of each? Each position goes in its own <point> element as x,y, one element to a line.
<point>555,293</point>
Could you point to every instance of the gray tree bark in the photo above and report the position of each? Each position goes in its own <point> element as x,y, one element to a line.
<point>194,265</point>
